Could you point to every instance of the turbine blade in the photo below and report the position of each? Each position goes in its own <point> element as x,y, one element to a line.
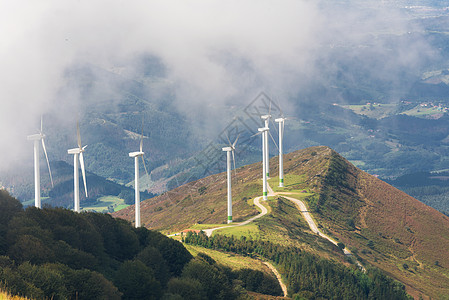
<point>233,159</point>
<point>144,166</point>
<point>260,132</point>
<point>235,142</point>
<point>42,125</point>
<point>283,123</point>
<point>273,140</point>
<point>269,109</point>
<point>78,135</point>
<point>274,125</point>
<point>230,144</point>
<point>48,163</point>
<point>83,170</point>
<point>141,138</point>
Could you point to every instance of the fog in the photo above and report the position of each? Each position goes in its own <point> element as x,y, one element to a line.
<point>215,53</point>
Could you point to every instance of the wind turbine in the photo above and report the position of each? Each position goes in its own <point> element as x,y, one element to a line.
<point>230,149</point>
<point>281,154</point>
<point>37,180</point>
<point>267,118</point>
<point>78,157</point>
<point>136,156</point>
<point>264,132</point>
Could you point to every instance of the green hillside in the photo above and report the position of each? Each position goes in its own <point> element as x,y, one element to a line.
<point>58,254</point>
<point>382,226</point>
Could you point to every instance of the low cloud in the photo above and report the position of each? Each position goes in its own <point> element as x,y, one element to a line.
<point>215,53</point>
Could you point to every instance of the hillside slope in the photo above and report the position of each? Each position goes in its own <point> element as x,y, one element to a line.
<point>383,226</point>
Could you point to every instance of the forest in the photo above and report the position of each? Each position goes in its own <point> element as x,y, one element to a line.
<point>308,276</point>
<point>54,253</point>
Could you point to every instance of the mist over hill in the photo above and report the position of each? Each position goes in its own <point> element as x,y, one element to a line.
<point>338,54</point>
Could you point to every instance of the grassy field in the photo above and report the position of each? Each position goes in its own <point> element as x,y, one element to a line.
<point>292,183</point>
<point>31,201</point>
<point>231,260</point>
<point>105,202</point>
<point>423,112</point>
<point>376,111</point>
<point>205,226</point>
<point>251,231</point>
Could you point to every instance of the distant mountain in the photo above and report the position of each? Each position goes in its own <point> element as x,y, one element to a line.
<point>383,226</point>
<point>61,195</point>
<point>116,99</point>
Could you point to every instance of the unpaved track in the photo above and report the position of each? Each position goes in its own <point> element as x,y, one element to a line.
<point>263,209</point>
<point>307,216</point>
<point>303,209</point>
<point>278,276</point>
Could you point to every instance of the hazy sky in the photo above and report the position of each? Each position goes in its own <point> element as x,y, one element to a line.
<point>214,51</point>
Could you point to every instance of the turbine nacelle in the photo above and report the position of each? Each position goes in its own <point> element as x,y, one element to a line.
<point>263,129</point>
<point>76,150</point>
<point>228,148</point>
<point>280,120</point>
<point>36,137</point>
<point>135,154</point>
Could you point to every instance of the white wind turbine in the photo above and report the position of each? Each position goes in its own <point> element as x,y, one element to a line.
<point>136,156</point>
<point>37,180</point>
<point>230,149</point>
<point>281,154</point>
<point>264,132</point>
<point>267,118</point>
<point>78,157</point>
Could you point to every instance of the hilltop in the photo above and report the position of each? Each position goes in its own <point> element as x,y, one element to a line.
<point>383,226</point>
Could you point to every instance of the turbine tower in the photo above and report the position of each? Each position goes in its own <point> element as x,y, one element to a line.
<point>78,158</point>
<point>230,149</point>
<point>37,180</point>
<point>281,154</point>
<point>136,156</point>
<point>267,118</point>
<point>264,132</point>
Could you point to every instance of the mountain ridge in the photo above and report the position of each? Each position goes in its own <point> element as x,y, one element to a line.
<point>352,206</point>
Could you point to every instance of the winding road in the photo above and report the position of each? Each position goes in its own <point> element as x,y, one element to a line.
<point>307,216</point>
<point>304,211</point>
<point>264,211</point>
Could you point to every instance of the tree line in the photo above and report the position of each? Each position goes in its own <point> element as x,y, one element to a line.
<point>54,253</point>
<point>308,276</point>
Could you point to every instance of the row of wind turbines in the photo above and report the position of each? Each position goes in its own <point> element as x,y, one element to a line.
<point>78,160</point>
<point>264,131</point>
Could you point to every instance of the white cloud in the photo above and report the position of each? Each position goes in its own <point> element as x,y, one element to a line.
<point>215,51</point>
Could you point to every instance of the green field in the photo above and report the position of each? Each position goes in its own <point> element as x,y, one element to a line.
<point>423,112</point>
<point>250,231</point>
<point>376,111</point>
<point>291,183</point>
<point>105,203</point>
<point>231,260</point>
<point>30,202</point>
